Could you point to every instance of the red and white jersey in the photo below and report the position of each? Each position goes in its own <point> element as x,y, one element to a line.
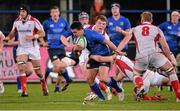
<point>146,37</point>
<point>27,28</point>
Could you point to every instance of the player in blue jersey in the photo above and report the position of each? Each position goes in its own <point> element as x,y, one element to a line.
<point>97,45</point>
<point>171,31</point>
<point>117,25</point>
<point>54,27</point>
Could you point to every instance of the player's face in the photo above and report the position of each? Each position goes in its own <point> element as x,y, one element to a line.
<point>84,21</point>
<point>100,25</point>
<point>55,13</point>
<point>77,33</point>
<point>23,14</point>
<point>115,11</point>
<point>175,16</point>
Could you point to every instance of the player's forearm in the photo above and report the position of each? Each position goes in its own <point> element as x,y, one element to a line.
<point>12,43</point>
<point>39,34</point>
<point>64,40</point>
<point>165,47</point>
<point>126,39</point>
<point>101,58</point>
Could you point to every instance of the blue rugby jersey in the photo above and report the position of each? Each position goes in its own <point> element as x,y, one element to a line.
<point>115,36</point>
<point>54,30</point>
<point>171,34</point>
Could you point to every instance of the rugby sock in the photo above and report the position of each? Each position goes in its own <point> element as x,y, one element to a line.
<point>113,83</point>
<point>94,86</point>
<point>57,88</point>
<point>175,84</point>
<point>18,83</point>
<point>101,85</point>
<point>43,83</point>
<point>138,81</point>
<point>23,80</point>
<point>66,76</point>
<point>48,72</point>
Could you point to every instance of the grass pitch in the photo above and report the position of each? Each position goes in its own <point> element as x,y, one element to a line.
<point>72,99</point>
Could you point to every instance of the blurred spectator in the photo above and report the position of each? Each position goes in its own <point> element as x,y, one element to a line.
<point>97,8</point>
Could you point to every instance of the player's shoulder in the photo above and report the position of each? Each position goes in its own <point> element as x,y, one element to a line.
<point>61,19</point>
<point>47,20</point>
<point>110,18</point>
<point>31,18</point>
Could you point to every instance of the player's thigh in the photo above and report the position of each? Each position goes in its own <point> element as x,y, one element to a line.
<point>34,53</point>
<point>158,60</point>
<point>29,69</point>
<point>103,71</point>
<point>35,63</point>
<point>141,64</point>
<point>22,58</point>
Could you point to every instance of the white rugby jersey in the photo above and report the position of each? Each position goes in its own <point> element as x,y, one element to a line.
<point>146,37</point>
<point>30,27</point>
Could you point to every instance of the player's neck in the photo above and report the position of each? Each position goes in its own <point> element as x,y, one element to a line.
<point>116,17</point>
<point>55,19</point>
<point>174,22</point>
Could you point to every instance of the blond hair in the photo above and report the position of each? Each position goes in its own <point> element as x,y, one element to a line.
<point>147,16</point>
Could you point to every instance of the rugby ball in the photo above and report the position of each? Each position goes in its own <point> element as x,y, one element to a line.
<point>81,41</point>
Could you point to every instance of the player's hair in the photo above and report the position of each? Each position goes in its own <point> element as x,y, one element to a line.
<point>115,4</point>
<point>76,25</point>
<point>176,10</point>
<point>147,16</point>
<point>102,18</point>
<point>83,15</point>
<point>25,7</point>
<point>54,7</point>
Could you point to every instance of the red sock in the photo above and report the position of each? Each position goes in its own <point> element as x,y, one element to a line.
<point>23,80</point>
<point>102,86</point>
<point>43,84</point>
<point>176,87</point>
<point>138,81</point>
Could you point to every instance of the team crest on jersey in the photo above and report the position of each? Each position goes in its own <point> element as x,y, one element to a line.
<point>61,25</point>
<point>169,27</point>
<point>51,25</point>
<point>121,23</point>
<point>110,23</point>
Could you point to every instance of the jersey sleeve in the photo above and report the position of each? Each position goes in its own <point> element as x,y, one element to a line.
<point>14,27</point>
<point>161,26</point>
<point>127,24</point>
<point>38,25</point>
<point>45,25</point>
<point>68,31</point>
<point>161,34</point>
<point>98,37</point>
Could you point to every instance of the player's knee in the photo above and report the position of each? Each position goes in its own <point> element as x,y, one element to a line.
<point>21,66</point>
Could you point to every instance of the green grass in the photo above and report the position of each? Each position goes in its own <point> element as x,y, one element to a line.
<point>72,99</point>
